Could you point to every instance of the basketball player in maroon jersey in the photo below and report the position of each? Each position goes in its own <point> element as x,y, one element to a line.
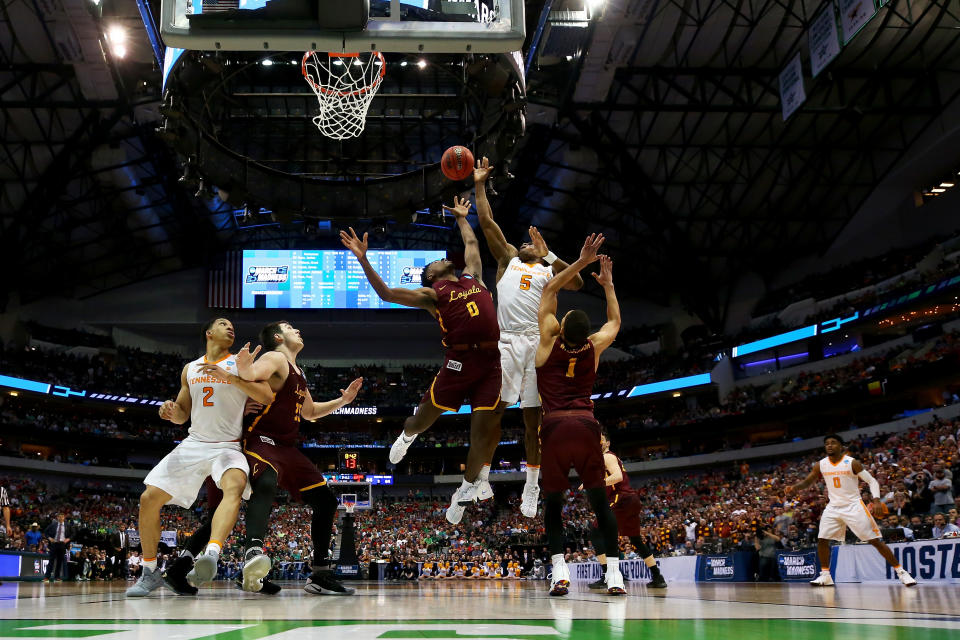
<point>626,507</point>
<point>471,370</point>
<point>567,358</point>
<point>271,435</point>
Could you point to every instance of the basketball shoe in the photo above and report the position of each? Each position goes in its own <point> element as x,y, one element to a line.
<point>322,583</point>
<point>560,582</point>
<point>204,570</point>
<point>176,576</point>
<point>149,581</point>
<point>907,579</point>
<point>256,567</point>
<point>400,446</point>
<point>823,580</point>
<point>528,505</point>
<point>463,496</point>
<point>615,583</point>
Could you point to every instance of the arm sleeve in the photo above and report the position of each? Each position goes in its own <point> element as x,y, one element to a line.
<point>871,482</point>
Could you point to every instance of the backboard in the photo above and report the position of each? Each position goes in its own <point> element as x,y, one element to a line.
<point>406,26</point>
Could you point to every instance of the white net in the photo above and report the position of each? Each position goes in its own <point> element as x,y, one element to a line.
<point>344,84</point>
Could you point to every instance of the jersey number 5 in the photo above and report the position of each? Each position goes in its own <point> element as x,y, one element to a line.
<point>573,363</point>
<point>207,395</point>
<point>473,309</point>
<point>836,482</point>
<point>525,281</point>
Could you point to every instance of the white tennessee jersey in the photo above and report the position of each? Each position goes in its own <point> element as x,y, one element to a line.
<point>518,296</point>
<point>217,411</point>
<point>843,485</point>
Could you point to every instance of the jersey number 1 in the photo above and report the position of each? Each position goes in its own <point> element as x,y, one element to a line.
<point>573,363</point>
<point>836,482</point>
<point>473,309</point>
<point>207,394</point>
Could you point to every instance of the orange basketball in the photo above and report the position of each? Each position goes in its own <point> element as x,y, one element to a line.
<point>457,163</point>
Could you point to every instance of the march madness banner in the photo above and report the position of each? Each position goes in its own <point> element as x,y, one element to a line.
<point>797,566</point>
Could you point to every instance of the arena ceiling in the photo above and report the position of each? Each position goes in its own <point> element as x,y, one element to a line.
<point>659,123</point>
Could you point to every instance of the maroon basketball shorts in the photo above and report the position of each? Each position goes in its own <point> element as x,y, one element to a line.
<point>627,507</point>
<point>295,472</point>
<point>570,439</point>
<point>468,377</point>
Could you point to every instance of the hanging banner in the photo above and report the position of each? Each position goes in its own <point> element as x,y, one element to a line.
<point>792,94</point>
<point>824,39</point>
<point>853,15</point>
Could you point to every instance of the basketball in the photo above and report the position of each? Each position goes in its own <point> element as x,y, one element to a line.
<point>457,163</point>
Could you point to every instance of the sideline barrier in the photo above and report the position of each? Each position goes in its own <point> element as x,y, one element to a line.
<point>673,568</point>
<point>22,565</point>
<point>926,560</point>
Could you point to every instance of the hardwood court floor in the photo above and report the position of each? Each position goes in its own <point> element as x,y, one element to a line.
<point>489,610</point>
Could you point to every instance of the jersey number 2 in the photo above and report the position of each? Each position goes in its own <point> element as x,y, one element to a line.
<point>207,394</point>
<point>473,309</point>
<point>525,281</point>
<point>573,363</point>
<point>836,482</point>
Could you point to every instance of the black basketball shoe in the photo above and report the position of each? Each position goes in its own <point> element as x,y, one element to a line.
<point>175,577</point>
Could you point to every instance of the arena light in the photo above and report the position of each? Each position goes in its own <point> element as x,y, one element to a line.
<point>946,185</point>
<point>421,63</point>
<point>117,38</point>
<point>267,63</point>
<point>937,190</point>
<point>595,6</point>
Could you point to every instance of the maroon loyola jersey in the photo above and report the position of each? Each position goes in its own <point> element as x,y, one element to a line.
<point>622,487</point>
<point>280,420</point>
<point>465,312</point>
<point>566,379</point>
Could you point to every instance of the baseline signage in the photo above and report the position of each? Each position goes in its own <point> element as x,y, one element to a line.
<point>927,561</point>
<point>718,568</point>
<point>798,566</point>
<point>673,568</point>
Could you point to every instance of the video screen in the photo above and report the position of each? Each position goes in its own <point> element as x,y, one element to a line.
<point>326,279</point>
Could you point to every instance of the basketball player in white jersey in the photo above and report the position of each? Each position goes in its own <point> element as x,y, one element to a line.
<point>521,275</point>
<point>212,396</point>
<point>842,475</point>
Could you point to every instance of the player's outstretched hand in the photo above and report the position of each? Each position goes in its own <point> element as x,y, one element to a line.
<point>591,246</point>
<point>353,242</point>
<point>245,359</point>
<point>214,371</point>
<point>538,242</point>
<point>349,394</point>
<point>482,171</point>
<point>605,277</point>
<point>460,208</point>
<point>168,410</point>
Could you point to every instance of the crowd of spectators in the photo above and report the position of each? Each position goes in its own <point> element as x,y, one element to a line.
<point>731,507</point>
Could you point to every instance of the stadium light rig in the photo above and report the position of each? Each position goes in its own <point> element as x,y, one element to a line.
<point>117,39</point>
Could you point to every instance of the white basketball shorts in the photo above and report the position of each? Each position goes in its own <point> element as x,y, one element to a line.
<point>518,353</point>
<point>836,519</point>
<point>182,472</point>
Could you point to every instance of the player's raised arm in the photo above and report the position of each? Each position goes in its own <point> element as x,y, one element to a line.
<point>268,364</point>
<point>811,478</point>
<point>421,298</point>
<point>471,251</point>
<point>178,411</point>
<point>557,264</point>
<point>312,410</point>
<point>502,250</point>
<point>608,332</point>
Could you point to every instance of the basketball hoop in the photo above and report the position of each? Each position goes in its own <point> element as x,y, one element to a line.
<point>349,501</point>
<point>344,84</point>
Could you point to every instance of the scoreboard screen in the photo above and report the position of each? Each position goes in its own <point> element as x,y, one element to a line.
<point>326,279</point>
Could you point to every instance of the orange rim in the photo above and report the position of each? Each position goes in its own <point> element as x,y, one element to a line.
<point>332,54</point>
